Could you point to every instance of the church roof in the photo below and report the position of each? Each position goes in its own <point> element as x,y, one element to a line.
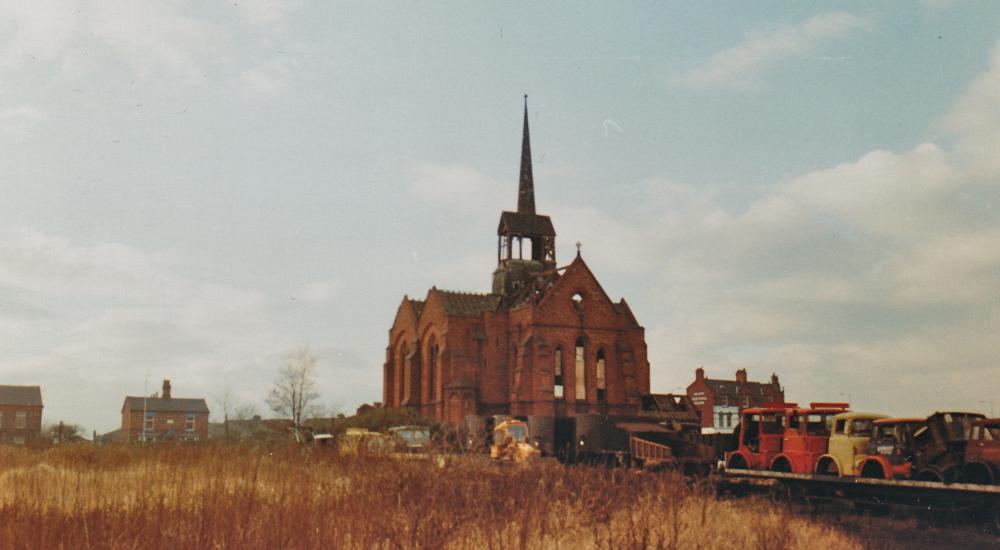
<point>468,304</point>
<point>519,223</point>
<point>418,306</point>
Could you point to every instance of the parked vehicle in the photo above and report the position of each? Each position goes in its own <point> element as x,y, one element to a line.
<point>761,430</point>
<point>982,454</point>
<point>806,438</point>
<point>411,439</point>
<point>930,449</point>
<point>848,444</point>
<point>511,442</point>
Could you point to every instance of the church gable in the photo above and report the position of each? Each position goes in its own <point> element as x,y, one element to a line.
<point>407,316</point>
<point>578,291</point>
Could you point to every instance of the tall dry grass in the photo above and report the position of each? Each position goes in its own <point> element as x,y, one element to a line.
<point>291,497</point>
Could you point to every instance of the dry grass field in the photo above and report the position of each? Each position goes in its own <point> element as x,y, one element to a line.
<point>210,496</point>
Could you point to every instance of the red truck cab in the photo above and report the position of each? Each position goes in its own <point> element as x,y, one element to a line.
<point>761,432</point>
<point>806,438</point>
<point>982,454</point>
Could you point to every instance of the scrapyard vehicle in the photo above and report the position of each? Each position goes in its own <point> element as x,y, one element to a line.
<point>511,442</point>
<point>806,438</point>
<point>762,431</point>
<point>411,439</point>
<point>359,441</point>
<point>848,445</point>
<point>932,449</point>
<point>982,454</point>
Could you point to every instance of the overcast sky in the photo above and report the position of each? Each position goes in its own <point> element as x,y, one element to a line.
<point>189,190</point>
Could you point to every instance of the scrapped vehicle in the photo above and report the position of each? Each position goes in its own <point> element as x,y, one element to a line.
<point>890,449</point>
<point>806,438</point>
<point>359,441</point>
<point>930,449</point>
<point>762,430</point>
<point>848,444</point>
<point>411,439</point>
<point>982,454</point>
<point>511,442</point>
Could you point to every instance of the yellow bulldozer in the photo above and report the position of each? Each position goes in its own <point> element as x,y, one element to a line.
<point>511,442</point>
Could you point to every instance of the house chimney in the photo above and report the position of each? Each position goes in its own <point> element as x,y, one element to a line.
<point>774,379</point>
<point>166,389</point>
<point>699,374</point>
<point>741,376</point>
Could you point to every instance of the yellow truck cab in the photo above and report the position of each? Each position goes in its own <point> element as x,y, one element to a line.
<point>848,444</point>
<point>511,442</point>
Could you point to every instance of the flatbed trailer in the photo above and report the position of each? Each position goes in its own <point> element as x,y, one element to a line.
<point>965,499</point>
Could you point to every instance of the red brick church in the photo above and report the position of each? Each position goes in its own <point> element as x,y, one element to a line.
<point>547,340</point>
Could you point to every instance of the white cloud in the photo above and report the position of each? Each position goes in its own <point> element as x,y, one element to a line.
<point>147,37</point>
<point>741,66</point>
<point>459,188</point>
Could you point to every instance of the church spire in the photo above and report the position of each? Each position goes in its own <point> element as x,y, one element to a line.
<point>526,186</point>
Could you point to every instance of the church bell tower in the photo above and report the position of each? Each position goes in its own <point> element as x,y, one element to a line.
<point>526,244</point>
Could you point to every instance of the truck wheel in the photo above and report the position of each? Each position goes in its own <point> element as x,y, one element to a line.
<point>873,470</point>
<point>827,467</point>
<point>977,473</point>
<point>929,475</point>
<point>736,462</point>
<point>781,465</point>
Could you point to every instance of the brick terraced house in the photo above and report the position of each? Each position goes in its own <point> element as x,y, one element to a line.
<point>720,401</point>
<point>20,415</point>
<point>545,341</point>
<point>164,417</point>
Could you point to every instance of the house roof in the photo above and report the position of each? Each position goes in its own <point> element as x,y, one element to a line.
<point>159,404</point>
<point>468,304</point>
<point>732,387</point>
<point>518,223</point>
<point>27,396</point>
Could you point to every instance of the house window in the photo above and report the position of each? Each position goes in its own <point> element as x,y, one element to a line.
<point>557,369</point>
<point>189,422</point>
<point>746,400</point>
<point>580,372</point>
<point>602,387</point>
<point>20,419</point>
<point>18,440</point>
<point>147,426</point>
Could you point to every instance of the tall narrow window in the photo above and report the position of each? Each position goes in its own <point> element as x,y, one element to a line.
<point>557,370</point>
<point>602,382</point>
<point>580,374</point>
<point>20,419</point>
<point>407,374</point>
<point>189,422</point>
<point>147,426</point>
<point>432,373</point>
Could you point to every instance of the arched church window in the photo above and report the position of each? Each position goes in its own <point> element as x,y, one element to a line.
<point>432,372</point>
<point>577,301</point>
<point>407,372</point>
<point>580,374</point>
<point>557,370</point>
<point>602,387</point>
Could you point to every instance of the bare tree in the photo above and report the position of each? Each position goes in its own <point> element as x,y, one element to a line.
<point>294,389</point>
